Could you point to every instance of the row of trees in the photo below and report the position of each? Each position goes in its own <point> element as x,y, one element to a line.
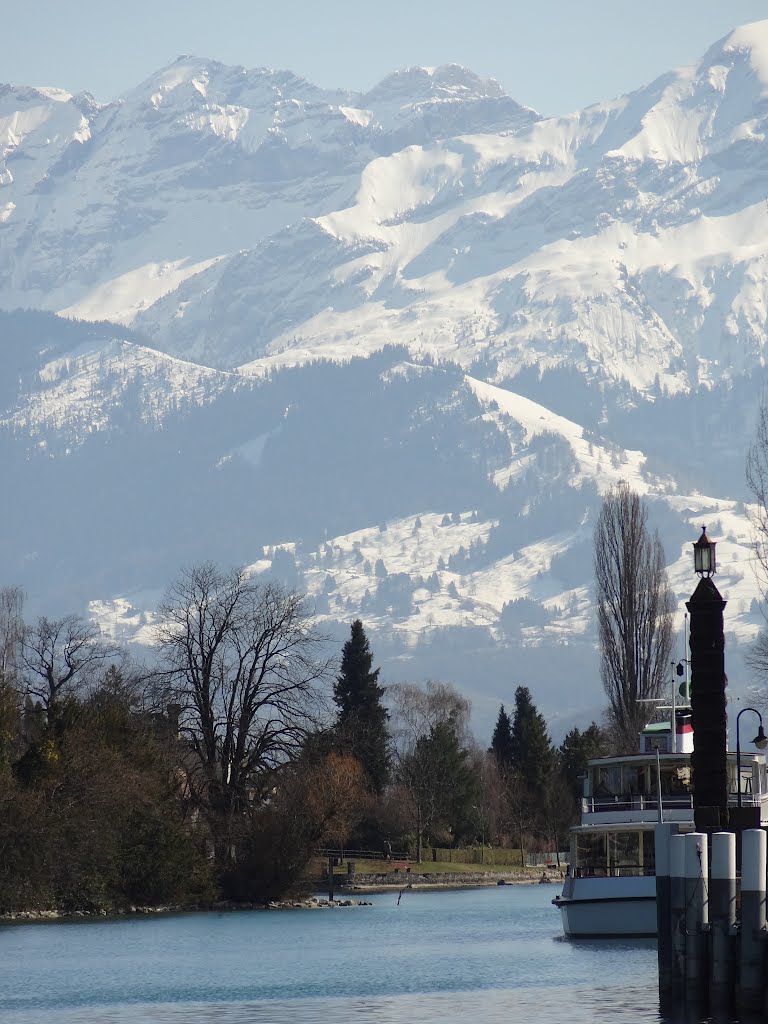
<point>193,778</point>
<point>219,768</point>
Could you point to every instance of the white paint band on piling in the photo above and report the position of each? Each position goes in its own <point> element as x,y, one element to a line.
<point>722,917</point>
<point>753,919</point>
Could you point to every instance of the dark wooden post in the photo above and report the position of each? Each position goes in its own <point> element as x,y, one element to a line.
<point>709,762</point>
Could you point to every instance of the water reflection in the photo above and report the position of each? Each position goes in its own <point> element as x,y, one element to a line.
<point>495,955</point>
<point>538,1006</point>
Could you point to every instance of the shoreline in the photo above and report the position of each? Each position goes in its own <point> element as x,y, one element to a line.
<point>348,893</point>
<point>295,903</point>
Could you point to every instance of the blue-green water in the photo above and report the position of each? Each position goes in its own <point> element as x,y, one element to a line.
<point>495,954</point>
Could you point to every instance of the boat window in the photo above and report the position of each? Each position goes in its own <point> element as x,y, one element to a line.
<point>675,780</point>
<point>746,779</point>
<point>591,853</point>
<point>609,781</point>
<point>635,780</point>
<point>624,849</point>
<point>615,853</point>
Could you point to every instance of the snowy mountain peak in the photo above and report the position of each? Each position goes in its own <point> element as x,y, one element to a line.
<point>202,80</point>
<point>750,41</point>
<point>448,81</point>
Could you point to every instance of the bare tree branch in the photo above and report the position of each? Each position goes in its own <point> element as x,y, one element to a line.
<point>59,656</point>
<point>247,670</point>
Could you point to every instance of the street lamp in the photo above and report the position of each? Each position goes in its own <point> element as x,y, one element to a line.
<point>760,741</point>
<point>704,555</point>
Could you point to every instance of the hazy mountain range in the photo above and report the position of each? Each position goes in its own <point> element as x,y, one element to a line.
<point>391,347</point>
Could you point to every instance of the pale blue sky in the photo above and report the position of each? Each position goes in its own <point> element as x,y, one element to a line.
<point>554,55</point>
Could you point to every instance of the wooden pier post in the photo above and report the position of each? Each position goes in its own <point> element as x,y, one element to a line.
<point>722,917</point>
<point>753,919</point>
<point>696,915</point>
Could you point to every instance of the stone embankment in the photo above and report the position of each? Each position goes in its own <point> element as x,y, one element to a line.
<point>314,903</point>
<point>310,903</point>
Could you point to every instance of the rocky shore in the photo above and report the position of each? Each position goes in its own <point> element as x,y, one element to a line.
<point>448,879</point>
<point>303,903</point>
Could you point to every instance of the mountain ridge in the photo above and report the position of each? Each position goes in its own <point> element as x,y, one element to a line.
<point>429,338</point>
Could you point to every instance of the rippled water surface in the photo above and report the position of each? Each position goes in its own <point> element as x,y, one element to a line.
<point>492,954</point>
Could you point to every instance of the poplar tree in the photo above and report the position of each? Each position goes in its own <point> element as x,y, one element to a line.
<point>362,719</point>
<point>634,613</point>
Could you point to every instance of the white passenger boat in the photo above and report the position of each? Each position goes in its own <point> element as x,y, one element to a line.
<point>610,885</point>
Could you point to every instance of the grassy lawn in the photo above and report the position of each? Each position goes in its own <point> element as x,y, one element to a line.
<point>427,867</point>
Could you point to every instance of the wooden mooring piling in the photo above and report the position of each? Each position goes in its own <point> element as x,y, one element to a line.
<point>713,938</point>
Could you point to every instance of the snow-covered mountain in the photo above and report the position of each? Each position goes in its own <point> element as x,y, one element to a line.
<point>391,347</point>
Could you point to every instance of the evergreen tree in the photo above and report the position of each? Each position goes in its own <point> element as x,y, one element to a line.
<point>532,752</point>
<point>450,778</point>
<point>441,787</point>
<point>535,762</point>
<point>574,752</point>
<point>362,719</point>
<point>502,746</point>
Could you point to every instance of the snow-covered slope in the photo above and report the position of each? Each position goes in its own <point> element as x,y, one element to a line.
<point>455,516</point>
<point>391,347</point>
<point>107,208</point>
<point>239,216</point>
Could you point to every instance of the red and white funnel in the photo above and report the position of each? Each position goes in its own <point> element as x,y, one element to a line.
<point>683,732</point>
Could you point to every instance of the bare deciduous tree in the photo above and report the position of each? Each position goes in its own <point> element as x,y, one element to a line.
<point>634,612</point>
<point>244,664</point>
<point>416,709</point>
<point>58,657</point>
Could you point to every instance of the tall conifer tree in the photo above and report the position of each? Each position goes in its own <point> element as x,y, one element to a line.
<point>502,746</point>
<point>362,719</point>
<point>532,751</point>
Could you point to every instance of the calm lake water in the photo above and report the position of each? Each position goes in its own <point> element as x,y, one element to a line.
<point>496,955</point>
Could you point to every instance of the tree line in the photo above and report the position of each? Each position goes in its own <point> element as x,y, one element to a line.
<point>216,771</point>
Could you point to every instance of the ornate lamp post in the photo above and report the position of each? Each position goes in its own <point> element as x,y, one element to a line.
<point>704,561</point>
<point>707,644</point>
<point>760,741</point>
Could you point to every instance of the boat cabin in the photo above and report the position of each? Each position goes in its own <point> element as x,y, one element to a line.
<point>620,804</point>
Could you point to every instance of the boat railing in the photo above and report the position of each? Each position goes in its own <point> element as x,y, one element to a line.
<point>601,804</point>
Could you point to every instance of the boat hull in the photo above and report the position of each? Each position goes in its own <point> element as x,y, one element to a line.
<point>608,907</point>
